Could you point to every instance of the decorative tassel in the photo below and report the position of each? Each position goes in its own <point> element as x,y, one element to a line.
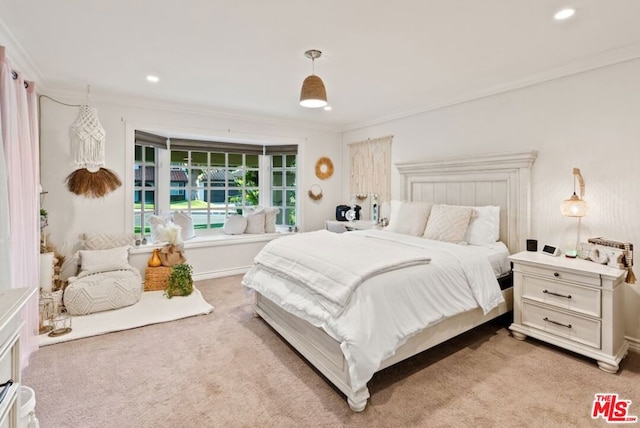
<point>631,277</point>
<point>93,184</point>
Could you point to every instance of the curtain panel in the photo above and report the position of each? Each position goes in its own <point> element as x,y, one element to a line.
<point>20,210</point>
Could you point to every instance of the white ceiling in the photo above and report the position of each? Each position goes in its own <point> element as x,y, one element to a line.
<point>380,60</point>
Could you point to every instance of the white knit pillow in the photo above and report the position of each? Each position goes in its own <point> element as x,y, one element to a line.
<point>235,225</point>
<point>105,241</point>
<point>270,214</point>
<point>255,222</point>
<point>448,223</point>
<point>97,260</point>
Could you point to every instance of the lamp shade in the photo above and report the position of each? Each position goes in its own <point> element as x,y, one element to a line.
<point>313,93</point>
<point>574,207</point>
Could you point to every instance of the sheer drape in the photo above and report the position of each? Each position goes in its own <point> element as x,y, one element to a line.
<point>18,116</point>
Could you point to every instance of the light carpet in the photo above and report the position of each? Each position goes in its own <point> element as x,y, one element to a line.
<point>153,308</point>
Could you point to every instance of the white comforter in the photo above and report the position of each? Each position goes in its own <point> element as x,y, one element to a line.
<point>331,266</point>
<point>388,308</point>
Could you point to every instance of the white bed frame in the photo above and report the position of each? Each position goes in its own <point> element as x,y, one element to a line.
<point>502,180</point>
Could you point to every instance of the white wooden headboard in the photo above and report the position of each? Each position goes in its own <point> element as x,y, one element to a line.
<point>500,179</point>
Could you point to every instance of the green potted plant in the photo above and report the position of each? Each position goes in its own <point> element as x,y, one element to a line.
<point>180,282</point>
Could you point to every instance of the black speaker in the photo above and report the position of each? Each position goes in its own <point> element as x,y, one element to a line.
<point>532,245</point>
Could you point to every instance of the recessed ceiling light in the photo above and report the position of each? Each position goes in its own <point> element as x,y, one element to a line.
<point>327,108</point>
<point>564,14</point>
<point>153,79</point>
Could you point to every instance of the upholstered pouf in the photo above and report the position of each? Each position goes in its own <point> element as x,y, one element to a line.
<point>102,291</point>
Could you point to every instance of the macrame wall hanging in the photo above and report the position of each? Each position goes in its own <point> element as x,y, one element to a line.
<point>371,168</point>
<point>87,148</point>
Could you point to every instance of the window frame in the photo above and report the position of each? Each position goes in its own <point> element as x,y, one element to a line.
<point>163,167</point>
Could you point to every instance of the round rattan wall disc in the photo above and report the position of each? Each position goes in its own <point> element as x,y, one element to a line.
<point>324,168</point>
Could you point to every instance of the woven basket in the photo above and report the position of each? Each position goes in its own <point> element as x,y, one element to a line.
<point>155,278</point>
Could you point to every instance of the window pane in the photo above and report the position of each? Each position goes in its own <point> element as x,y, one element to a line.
<point>137,156</point>
<point>252,178</point>
<point>276,161</point>
<point>149,201</point>
<point>291,179</point>
<point>149,154</point>
<point>290,217</point>
<point>179,157</point>
<point>218,160</point>
<point>199,159</point>
<point>252,197</point>
<point>276,197</point>
<point>235,177</point>
<point>251,161</point>
<point>291,161</point>
<point>199,177</point>
<point>277,179</point>
<point>149,176</point>
<point>291,198</point>
<point>235,160</point>
<point>217,197</point>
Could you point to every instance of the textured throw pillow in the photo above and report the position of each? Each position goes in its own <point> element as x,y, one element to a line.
<point>235,225</point>
<point>270,214</point>
<point>255,222</point>
<point>105,241</point>
<point>409,218</point>
<point>448,223</point>
<point>484,227</point>
<point>96,260</point>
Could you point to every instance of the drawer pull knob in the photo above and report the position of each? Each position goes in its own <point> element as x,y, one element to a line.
<point>568,296</point>
<point>557,323</point>
<point>556,274</point>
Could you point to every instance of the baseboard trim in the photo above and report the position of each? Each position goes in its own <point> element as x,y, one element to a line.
<point>634,344</point>
<point>220,273</point>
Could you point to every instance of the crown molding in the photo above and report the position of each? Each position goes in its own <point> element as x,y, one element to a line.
<point>20,60</point>
<point>581,65</point>
<point>77,94</point>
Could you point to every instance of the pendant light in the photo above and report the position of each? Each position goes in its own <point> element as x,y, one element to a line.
<point>313,94</point>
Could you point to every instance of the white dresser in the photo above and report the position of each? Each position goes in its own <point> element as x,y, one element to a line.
<point>11,302</point>
<point>572,303</point>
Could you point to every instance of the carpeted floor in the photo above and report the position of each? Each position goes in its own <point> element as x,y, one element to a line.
<point>229,369</point>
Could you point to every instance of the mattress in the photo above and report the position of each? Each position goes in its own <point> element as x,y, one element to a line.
<point>389,308</point>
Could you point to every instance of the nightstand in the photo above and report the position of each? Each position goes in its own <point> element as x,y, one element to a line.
<point>571,303</point>
<point>335,225</point>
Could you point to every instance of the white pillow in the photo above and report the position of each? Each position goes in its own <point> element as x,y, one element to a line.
<point>448,223</point>
<point>270,214</point>
<point>154,222</point>
<point>185,222</point>
<point>409,218</point>
<point>235,225</point>
<point>484,227</point>
<point>255,222</point>
<point>96,260</point>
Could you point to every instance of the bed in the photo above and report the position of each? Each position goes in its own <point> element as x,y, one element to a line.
<point>362,301</point>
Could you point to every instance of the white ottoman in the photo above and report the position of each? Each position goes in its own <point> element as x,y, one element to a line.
<point>102,291</point>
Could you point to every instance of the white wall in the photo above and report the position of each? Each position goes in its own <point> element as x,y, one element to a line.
<point>590,121</point>
<point>70,214</point>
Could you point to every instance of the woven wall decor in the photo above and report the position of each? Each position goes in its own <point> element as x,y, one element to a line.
<point>371,167</point>
<point>87,148</point>
<point>324,168</point>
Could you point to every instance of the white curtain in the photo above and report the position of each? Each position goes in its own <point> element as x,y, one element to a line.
<point>371,168</point>
<point>20,171</point>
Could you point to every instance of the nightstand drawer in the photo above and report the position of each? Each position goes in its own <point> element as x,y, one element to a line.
<point>560,275</point>
<point>573,327</point>
<point>585,300</point>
